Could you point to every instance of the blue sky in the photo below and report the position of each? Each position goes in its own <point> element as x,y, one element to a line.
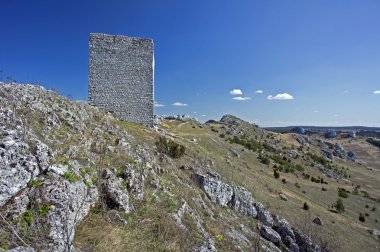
<point>324,54</point>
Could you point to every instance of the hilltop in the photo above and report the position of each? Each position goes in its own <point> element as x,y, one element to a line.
<point>73,177</point>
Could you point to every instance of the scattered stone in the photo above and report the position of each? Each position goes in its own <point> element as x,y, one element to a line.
<point>318,221</point>
<point>283,197</point>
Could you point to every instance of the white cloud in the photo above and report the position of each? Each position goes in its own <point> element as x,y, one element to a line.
<point>259,91</point>
<point>346,91</point>
<point>240,98</point>
<point>179,104</point>
<point>284,96</point>
<point>157,104</point>
<point>316,111</point>
<point>236,92</point>
<point>376,92</point>
<point>203,115</point>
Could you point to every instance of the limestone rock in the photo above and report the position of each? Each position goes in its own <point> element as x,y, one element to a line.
<point>117,194</point>
<point>243,202</point>
<point>269,234</point>
<point>263,214</point>
<point>218,191</point>
<point>304,242</point>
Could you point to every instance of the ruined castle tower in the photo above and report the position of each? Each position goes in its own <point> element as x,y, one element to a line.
<point>121,75</point>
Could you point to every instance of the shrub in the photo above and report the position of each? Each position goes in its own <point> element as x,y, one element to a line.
<point>297,185</point>
<point>339,205</point>
<point>283,181</point>
<point>324,189</point>
<point>342,193</point>
<point>306,206</point>
<point>170,147</point>
<point>361,217</point>
<point>264,159</point>
<point>276,174</point>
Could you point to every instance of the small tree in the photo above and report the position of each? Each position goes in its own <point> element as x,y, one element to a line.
<point>276,174</point>
<point>306,206</point>
<point>361,217</point>
<point>339,205</point>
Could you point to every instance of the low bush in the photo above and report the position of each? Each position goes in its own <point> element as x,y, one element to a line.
<point>170,147</point>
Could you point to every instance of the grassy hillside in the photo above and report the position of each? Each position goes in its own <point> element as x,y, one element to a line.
<point>166,210</point>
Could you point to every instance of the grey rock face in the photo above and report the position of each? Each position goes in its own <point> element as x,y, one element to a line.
<point>263,214</point>
<point>70,203</point>
<point>269,234</point>
<point>218,192</point>
<point>20,162</point>
<point>121,76</point>
<point>304,242</point>
<point>243,202</point>
<point>117,195</point>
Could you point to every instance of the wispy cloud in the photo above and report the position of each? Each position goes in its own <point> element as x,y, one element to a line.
<point>376,92</point>
<point>316,111</point>
<point>236,92</point>
<point>241,98</point>
<point>284,96</point>
<point>179,104</point>
<point>346,91</point>
<point>157,104</point>
<point>259,91</point>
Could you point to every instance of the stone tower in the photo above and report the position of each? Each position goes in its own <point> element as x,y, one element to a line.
<point>121,76</point>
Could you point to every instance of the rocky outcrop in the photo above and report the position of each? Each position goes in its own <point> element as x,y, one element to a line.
<point>269,234</point>
<point>273,228</point>
<point>263,214</point>
<point>116,192</point>
<point>20,161</point>
<point>304,242</point>
<point>243,202</point>
<point>218,191</point>
<point>70,203</point>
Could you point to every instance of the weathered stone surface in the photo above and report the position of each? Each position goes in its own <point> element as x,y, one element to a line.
<point>263,214</point>
<point>283,228</point>
<point>70,203</point>
<point>20,162</point>
<point>304,242</point>
<point>117,194</point>
<point>218,192</point>
<point>243,202</point>
<point>269,234</point>
<point>121,73</point>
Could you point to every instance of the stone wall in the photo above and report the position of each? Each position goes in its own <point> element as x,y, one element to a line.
<point>121,75</point>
